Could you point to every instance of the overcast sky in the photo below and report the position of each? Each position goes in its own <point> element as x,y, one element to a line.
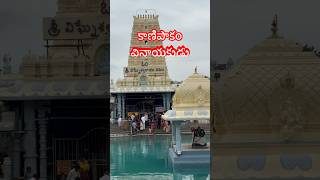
<point>240,24</point>
<point>21,26</point>
<point>191,17</point>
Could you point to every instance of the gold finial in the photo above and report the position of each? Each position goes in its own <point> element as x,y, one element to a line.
<point>274,25</point>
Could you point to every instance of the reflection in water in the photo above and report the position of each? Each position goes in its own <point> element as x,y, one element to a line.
<point>145,157</point>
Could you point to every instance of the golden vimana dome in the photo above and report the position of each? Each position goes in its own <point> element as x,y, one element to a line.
<point>194,92</point>
<point>274,88</point>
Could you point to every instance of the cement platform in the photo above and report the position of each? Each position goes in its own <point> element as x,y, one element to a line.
<point>190,160</point>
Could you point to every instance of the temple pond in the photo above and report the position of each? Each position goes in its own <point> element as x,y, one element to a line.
<point>146,157</point>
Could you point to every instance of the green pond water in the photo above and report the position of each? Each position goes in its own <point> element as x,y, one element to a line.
<point>146,157</point>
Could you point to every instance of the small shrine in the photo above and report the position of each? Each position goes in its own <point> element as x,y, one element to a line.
<point>267,113</point>
<point>191,103</point>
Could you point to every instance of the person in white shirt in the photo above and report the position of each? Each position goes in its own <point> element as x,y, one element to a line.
<point>132,117</point>
<point>28,173</point>
<point>146,116</point>
<point>74,174</point>
<point>105,176</point>
<point>119,122</point>
<point>34,177</point>
<point>143,123</point>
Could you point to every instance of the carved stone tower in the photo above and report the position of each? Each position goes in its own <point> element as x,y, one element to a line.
<point>145,71</point>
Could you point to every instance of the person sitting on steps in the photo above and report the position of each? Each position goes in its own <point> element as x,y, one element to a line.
<point>197,135</point>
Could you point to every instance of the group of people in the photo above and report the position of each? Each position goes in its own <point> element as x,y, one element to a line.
<point>29,175</point>
<point>138,124</point>
<point>76,173</point>
<point>81,171</point>
<point>153,122</point>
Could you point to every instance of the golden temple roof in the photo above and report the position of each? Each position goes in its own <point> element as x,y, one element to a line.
<point>194,92</point>
<point>191,100</point>
<point>253,95</point>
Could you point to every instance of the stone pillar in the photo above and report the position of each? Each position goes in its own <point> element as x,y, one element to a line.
<point>43,147</point>
<point>178,139</point>
<point>123,104</point>
<point>119,105</point>
<point>168,100</point>
<point>164,101</point>
<point>114,108</point>
<point>7,168</point>
<point>115,112</point>
<point>30,139</point>
<point>173,134</point>
<point>16,154</point>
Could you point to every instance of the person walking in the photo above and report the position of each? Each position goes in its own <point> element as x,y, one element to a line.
<point>84,168</point>
<point>74,173</point>
<point>119,122</point>
<point>132,117</point>
<point>166,126</point>
<point>34,177</point>
<point>28,173</point>
<point>143,123</point>
<point>105,176</point>
<point>158,121</point>
<point>134,127</point>
<point>146,116</point>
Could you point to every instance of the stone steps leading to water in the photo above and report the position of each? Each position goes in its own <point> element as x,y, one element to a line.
<point>114,129</point>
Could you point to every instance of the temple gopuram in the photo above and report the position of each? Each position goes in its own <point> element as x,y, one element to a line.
<point>146,86</point>
<point>53,112</point>
<point>267,114</point>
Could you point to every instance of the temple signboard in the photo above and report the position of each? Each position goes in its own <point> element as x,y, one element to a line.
<point>159,70</point>
<point>65,28</point>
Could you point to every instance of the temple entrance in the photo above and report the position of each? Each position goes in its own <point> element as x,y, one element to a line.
<point>91,147</point>
<point>146,106</point>
<point>142,103</point>
<point>79,132</point>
